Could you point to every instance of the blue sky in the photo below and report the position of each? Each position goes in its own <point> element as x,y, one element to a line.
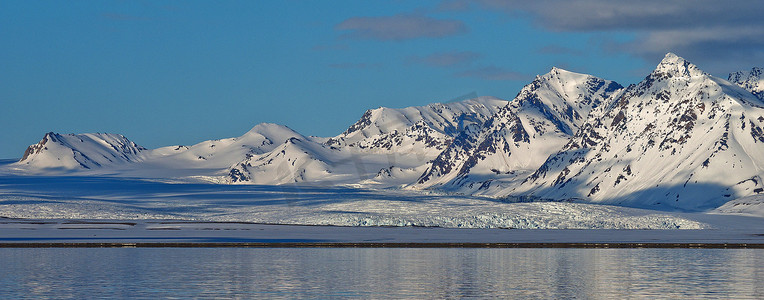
<point>180,72</point>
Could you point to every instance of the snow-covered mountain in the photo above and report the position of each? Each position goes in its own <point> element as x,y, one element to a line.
<point>522,134</point>
<point>752,81</point>
<point>680,138</point>
<point>387,146</point>
<point>81,151</point>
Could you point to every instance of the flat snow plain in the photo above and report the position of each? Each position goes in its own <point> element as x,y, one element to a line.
<point>62,197</point>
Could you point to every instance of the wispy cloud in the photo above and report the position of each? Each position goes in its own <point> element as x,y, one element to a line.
<point>716,49</point>
<point>709,32</point>
<point>445,59</point>
<point>492,73</point>
<point>400,27</point>
<point>587,15</point>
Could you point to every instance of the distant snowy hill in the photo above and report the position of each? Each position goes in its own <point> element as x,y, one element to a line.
<point>522,134</point>
<point>752,81</point>
<point>681,138</point>
<point>386,146</point>
<point>113,153</point>
<point>81,151</point>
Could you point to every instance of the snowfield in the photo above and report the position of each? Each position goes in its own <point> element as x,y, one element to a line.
<point>34,197</point>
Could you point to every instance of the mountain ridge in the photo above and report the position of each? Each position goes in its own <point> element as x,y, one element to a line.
<point>679,139</point>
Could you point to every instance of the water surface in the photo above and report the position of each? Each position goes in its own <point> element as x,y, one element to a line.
<point>380,273</point>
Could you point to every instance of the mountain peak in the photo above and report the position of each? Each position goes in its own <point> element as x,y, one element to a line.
<point>558,71</point>
<point>267,126</point>
<point>676,66</point>
<point>279,132</point>
<point>670,56</point>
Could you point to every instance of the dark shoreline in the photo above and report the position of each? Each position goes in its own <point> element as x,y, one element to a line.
<point>391,245</point>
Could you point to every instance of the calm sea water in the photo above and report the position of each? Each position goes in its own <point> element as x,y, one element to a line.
<point>380,273</point>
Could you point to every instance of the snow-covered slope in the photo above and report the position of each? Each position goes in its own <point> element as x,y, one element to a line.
<point>220,154</point>
<point>80,151</point>
<point>681,138</point>
<point>296,160</point>
<point>751,205</point>
<point>752,81</point>
<point>303,160</point>
<point>428,129</point>
<point>522,134</point>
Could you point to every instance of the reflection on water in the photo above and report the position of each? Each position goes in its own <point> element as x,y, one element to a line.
<point>378,273</point>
